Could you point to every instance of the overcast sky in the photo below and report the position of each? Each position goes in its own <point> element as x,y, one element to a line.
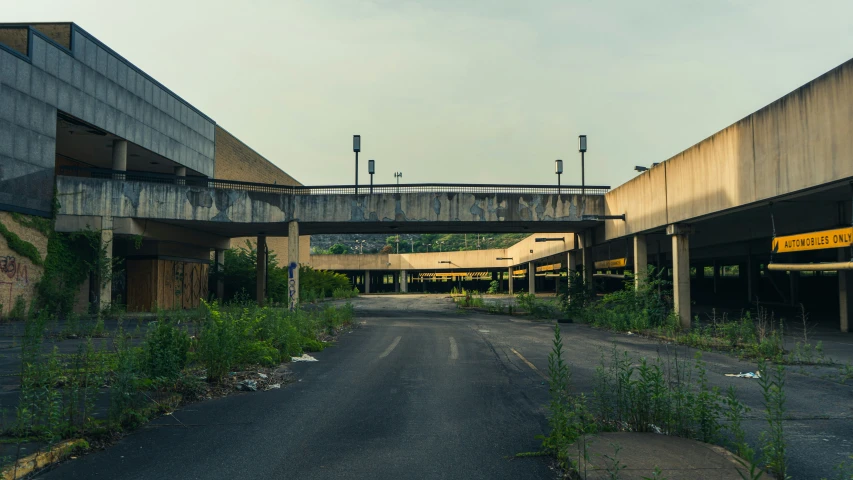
<point>472,91</point>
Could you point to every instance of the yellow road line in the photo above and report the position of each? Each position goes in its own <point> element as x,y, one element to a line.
<point>532,367</point>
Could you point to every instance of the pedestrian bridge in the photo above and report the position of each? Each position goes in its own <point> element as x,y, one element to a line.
<point>235,209</point>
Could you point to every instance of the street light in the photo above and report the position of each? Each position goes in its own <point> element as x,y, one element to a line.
<point>371,164</point>
<point>558,169</point>
<point>428,245</point>
<point>439,245</point>
<point>398,176</point>
<point>356,147</point>
<point>360,245</point>
<point>582,149</point>
<point>641,168</point>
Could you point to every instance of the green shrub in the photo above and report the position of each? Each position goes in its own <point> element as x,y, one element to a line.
<point>494,287</point>
<point>217,343</point>
<point>166,350</point>
<point>19,309</point>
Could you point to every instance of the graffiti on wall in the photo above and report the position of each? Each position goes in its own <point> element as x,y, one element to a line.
<point>12,273</point>
<point>291,284</point>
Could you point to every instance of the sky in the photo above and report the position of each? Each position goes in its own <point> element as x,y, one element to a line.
<point>473,91</point>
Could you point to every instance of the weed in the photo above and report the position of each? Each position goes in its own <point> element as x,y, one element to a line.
<point>773,444</point>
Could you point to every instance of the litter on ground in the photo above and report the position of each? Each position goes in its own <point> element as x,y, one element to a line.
<point>755,374</point>
<point>304,358</point>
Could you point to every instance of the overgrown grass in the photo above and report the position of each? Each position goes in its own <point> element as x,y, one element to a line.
<point>667,395</point>
<point>155,375</point>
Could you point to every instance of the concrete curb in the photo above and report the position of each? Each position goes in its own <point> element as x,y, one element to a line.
<point>31,463</point>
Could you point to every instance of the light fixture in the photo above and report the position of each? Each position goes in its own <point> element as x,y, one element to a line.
<point>371,164</point>
<point>356,143</point>
<point>553,239</point>
<point>582,149</point>
<point>558,166</point>
<point>641,168</point>
<point>444,261</point>
<point>581,143</point>
<point>504,258</point>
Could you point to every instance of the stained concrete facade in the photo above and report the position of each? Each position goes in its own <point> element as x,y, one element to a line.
<point>96,85</point>
<point>239,213</point>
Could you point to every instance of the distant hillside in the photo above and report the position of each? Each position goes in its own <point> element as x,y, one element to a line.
<point>447,242</point>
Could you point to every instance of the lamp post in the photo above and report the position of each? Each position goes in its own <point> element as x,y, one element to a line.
<point>558,169</point>
<point>356,147</point>
<point>582,149</point>
<point>427,245</point>
<point>398,176</point>
<point>371,164</point>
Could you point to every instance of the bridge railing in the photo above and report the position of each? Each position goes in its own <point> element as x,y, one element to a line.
<point>74,171</point>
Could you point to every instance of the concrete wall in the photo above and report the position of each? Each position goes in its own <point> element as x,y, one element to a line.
<point>96,85</point>
<point>798,142</point>
<point>278,246</point>
<point>270,212</point>
<point>472,259</point>
<point>18,274</point>
<point>237,161</point>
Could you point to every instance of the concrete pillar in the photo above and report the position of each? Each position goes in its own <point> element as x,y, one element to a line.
<point>531,277</point>
<point>752,276</point>
<point>105,296</point>
<point>367,281</point>
<point>681,273</point>
<point>119,158</point>
<point>588,260</point>
<point>261,270</point>
<point>510,280</point>
<point>404,281</point>
<point>293,264</point>
<point>181,172</point>
<point>716,275</point>
<point>845,292</point>
<point>219,261</point>
<point>794,280</point>
<point>641,259</point>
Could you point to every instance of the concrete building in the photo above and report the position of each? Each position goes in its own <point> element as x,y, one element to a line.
<point>67,102</point>
<point>712,217</point>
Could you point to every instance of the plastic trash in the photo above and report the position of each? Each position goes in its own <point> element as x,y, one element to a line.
<point>262,375</point>
<point>755,374</point>
<point>248,386</point>
<point>273,386</point>
<point>304,358</point>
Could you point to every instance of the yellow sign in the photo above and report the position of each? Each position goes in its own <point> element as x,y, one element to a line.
<point>840,237</point>
<point>549,268</point>
<point>614,263</point>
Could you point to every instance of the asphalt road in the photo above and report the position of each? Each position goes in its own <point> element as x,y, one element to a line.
<point>417,391</point>
<point>420,390</point>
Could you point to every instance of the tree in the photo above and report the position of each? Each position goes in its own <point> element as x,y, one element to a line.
<point>387,249</point>
<point>338,249</point>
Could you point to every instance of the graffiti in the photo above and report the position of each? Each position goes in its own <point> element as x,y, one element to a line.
<point>291,284</point>
<point>14,270</point>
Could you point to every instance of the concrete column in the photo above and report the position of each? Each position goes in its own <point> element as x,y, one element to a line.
<point>105,287</point>
<point>531,277</point>
<point>181,172</point>
<point>509,280</point>
<point>119,158</point>
<point>716,275</point>
<point>588,260</point>
<point>794,281</point>
<point>293,264</point>
<point>641,259</point>
<point>845,292</point>
<point>404,281</point>
<point>219,261</point>
<point>261,270</point>
<point>367,281</point>
<point>681,274</point>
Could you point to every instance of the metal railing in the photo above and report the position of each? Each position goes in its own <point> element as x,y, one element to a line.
<point>206,182</point>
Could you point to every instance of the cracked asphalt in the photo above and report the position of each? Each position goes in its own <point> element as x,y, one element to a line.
<point>421,390</point>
